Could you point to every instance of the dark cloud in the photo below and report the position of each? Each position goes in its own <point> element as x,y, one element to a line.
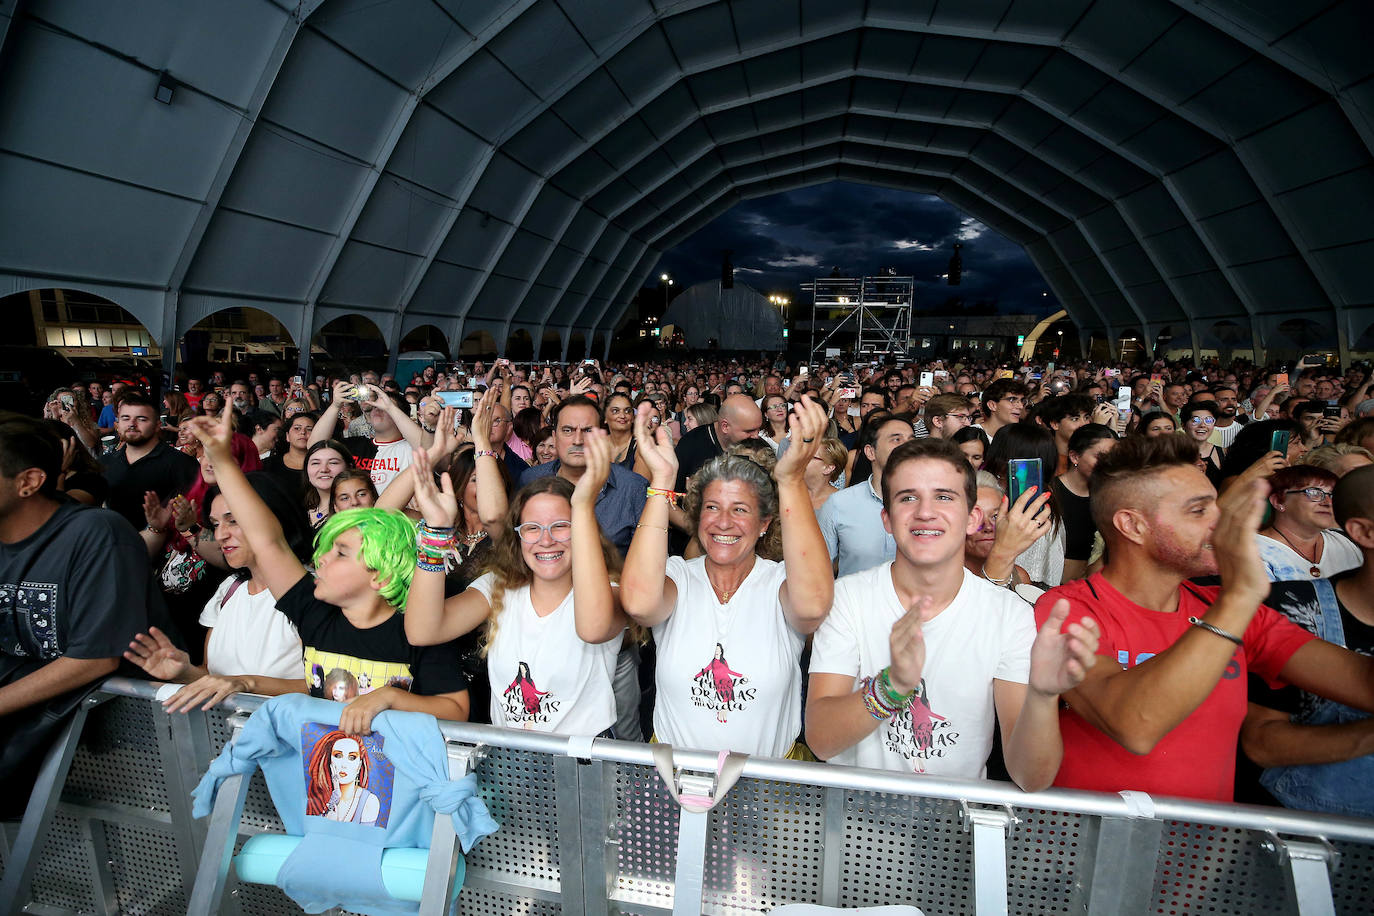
<point>786,239</point>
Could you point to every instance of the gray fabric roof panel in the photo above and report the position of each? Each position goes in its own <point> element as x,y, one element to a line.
<point>550,150</point>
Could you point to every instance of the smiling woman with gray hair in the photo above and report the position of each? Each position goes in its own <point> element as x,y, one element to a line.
<point>730,624</point>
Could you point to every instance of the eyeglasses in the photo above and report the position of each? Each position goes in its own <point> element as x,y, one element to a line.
<point>1313,494</point>
<point>533,532</point>
<point>1199,421</point>
<point>778,406</point>
<point>961,417</point>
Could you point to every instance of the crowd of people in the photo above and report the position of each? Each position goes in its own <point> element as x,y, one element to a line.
<point>1090,576</point>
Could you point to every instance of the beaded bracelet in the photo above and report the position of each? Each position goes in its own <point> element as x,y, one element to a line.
<point>484,453</point>
<point>871,702</point>
<point>421,563</point>
<point>670,495</point>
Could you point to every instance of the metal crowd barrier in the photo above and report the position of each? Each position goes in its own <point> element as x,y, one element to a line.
<point>587,827</point>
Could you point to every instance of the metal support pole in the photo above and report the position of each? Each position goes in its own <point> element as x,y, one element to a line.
<point>1123,867</point>
<point>989,827</point>
<point>691,847</point>
<point>26,850</point>
<point>1308,872</point>
<point>436,897</point>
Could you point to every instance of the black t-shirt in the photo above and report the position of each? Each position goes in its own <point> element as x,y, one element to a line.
<point>164,470</point>
<point>1078,521</point>
<point>291,480</point>
<point>1298,602</point>
<point>343,661</point>
<point>78,587</point>
<point>696,447</point>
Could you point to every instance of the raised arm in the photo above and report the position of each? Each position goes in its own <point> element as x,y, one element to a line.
<point>492,501</point>
<point>277,566</point>
<point>412,432</point>
<point>646,592</point>
<point>596,607</point>
<point>429,619</point>
<point>1138,706</point>
<point>329,420</point>
<point>810,589</point>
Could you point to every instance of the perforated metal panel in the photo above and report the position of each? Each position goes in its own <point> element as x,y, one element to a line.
<point>1217,870</point>
<point>477,902</point>
<point>64,879</point>
<point>765,847</point>
<point>1353,879</point>
<point>1044,851</point>
<point>905,850</point>
<point>117,760</point>
<point>643,829</point>
<point>520,793</point>
<point>147,871</point>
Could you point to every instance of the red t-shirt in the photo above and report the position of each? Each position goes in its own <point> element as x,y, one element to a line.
<point>1198,758</point>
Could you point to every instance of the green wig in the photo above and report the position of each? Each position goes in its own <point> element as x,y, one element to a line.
<point>388,547</point>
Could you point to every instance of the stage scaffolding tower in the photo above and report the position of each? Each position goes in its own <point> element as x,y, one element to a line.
<point>876,309</point>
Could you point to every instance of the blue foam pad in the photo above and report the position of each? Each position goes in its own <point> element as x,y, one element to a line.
<point>403,870</point>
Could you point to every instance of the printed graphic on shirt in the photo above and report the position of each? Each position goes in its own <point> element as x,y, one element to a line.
<point>335,676</point>
<point>918,733</point>
<point>717,687</point>
<point>347,778</point>
<point>31,608</point>
<point>525,703</point>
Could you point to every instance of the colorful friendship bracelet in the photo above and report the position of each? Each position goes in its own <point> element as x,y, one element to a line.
<point>671,495</point>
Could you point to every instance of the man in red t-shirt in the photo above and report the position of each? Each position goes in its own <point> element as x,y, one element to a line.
<point>1162,709</point>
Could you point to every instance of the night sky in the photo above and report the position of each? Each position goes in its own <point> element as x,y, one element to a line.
<point>783,240</point>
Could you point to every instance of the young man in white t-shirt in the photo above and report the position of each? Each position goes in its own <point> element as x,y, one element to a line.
<point>938,654</point>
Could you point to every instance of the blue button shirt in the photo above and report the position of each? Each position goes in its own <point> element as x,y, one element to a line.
<point>618,506</point>
<point>852,523</point>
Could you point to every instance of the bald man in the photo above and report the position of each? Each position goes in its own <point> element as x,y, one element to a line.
<point>1162,710</point>
<point>739,419</point>
<point>1319,755</point>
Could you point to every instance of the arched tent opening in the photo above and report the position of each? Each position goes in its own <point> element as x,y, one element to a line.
<point>478,345</point>
<point>1302,335</point>
<point>350,342</point>
<point>520,346</point>
<point>424,337</point>
<point>1130,345</point>
<point>577,346</point>
<point>599,346</point>
<point>98,335</point>
<point>551,346</point>
<point>1365,341</point>
<point>236,339</point>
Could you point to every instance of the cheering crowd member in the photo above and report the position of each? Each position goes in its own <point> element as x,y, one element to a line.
<point>730,624</point>
<point>1161,710</point>
<point>937,654</point>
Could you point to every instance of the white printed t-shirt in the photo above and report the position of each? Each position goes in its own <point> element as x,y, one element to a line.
<point>729,675</point>
<point>250,636</point>
<point>947,730</point>
<point>543,676</point>
<point>391,459</point>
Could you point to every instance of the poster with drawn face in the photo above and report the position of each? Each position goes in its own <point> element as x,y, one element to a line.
<point>347,777</point>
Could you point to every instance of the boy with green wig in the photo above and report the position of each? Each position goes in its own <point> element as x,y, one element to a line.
<point>349,615</point>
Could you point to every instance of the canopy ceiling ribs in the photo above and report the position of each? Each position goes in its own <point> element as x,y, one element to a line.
<point>498,166</point>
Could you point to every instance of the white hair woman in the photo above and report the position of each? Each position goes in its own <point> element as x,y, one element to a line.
<point>730,624</point>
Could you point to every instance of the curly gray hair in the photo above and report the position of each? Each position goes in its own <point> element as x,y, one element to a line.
<point>747,471</point>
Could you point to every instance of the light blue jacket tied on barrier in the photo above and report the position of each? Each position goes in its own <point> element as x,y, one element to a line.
<point>349,798</point>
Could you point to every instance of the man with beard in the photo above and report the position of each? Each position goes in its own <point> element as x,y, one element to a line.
<point>143,462</point>
<point>1162,709</point>
<point>1228,426</point>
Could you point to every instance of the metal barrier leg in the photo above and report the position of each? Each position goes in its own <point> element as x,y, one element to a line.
<point>213,874</point>
<point>691,847</point>
<point>437,894</point>
<point>22,864</point>
<point>989,826</point>
<point>1123,867</point>
<point>1308,873</point>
